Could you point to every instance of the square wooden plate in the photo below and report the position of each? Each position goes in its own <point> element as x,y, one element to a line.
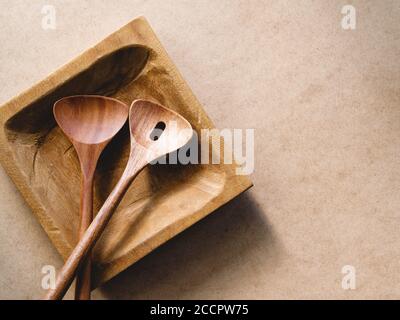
<point>164,199</point>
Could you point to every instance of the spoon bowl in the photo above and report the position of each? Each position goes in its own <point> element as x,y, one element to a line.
<point>90,119</point>
<point>156,130</point>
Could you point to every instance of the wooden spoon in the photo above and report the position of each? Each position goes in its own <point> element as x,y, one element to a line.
<point>154,131</point>
<point>90,122</point>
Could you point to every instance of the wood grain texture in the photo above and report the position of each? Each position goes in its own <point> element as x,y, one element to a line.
<point>145,148</point>
<point>89,122</point>
<point>163,200</point>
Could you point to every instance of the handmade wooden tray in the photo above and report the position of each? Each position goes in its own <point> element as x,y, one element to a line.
<point>164,199</point>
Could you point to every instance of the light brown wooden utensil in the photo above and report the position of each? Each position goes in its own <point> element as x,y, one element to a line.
<point>90,122</point>
<point>154,131</point>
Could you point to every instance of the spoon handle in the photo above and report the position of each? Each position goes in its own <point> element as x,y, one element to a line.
<point>93,233</point>
<point>83,276</point>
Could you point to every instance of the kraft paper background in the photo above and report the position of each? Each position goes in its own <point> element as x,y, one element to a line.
<point>325,106</point>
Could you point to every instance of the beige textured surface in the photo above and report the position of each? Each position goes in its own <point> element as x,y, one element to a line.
<point>325,106</point>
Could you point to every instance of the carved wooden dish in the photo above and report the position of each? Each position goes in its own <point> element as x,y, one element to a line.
<point>163,200</point>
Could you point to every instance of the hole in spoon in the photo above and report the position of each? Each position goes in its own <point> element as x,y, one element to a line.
<point>157,131</point>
